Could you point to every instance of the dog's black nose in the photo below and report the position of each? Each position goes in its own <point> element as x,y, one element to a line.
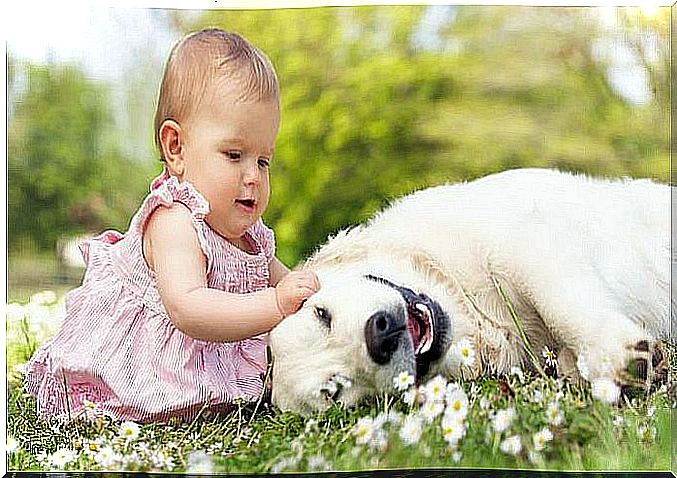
<point>382,332</point>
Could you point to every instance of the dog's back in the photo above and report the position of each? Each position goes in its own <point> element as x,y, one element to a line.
<point>542,221</point>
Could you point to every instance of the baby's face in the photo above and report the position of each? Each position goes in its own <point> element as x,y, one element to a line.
<point>228,147</point>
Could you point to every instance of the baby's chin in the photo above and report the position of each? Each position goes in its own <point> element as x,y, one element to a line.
<point>235,230</point>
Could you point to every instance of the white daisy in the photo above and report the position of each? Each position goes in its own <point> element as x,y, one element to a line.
<point>511,445</point>
<point>379,440</point>
<point>198,463</point>
<point>456,456</point>
<point>311,425</point>
<point>453,429</point>
<point>168,463</point>
<point>42,458</point>
<point>393,417</point>
<point>390,418</point>
<point>431,410</point>
<point>502,420</point>
<point>550,356</point>
<point>363,430</point>
<point>342,381</point>
<point>21,368</point>
<point>131,459</point>
<point>618,420</point>
<point>157,459</point>
<point>605,390</point>
<point>91,448</point>
<point>536,458</point>
<point>554,415</point>
<point>415,395</point>
<point>541,438</point>
<point>11,445</point>
<point>318,463</point>
<point>538,396</point>
<point>604,366</point>
<point>646,433</point>
<point>403,381</point>
<point>517,372</point>
<point>650,411</point>
<point>284,464</point>
<point>89,407</point>
<point>457,403</point>
<point>327,389</point>
<point>15,312</point>
<point>465,352</point>
<point>46,297</point>
<point>62,457</point>
<point>485,403</point>
<point>409,397</point>
<point>435,389</point>
<point>411,430</point>
<point>583,369</point>
<point>129,430</point>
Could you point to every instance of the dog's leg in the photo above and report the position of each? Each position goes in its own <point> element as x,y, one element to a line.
<point>581,315</point>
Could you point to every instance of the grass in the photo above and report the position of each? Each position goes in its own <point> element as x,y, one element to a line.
<point>592,435</point>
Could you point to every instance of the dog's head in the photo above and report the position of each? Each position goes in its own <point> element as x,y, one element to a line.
<point>353,338</point>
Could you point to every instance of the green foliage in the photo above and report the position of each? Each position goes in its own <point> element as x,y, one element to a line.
<point>65,172</point>
<point>258,438</point>
<point>369,114</point>
<point>250,439</point>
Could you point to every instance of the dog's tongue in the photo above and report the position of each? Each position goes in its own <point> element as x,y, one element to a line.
<point>414,331</point>
<point>420,327</point>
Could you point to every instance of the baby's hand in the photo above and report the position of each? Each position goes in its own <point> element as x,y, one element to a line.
<point>293,289</point>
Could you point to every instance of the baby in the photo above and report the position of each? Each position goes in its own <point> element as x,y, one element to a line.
<point>172,315</point>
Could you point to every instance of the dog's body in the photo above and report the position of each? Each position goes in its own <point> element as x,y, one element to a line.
<point>584,263</point>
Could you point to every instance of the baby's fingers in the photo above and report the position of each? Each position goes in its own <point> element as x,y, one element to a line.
<point>303,292</point>
<point>311,280</point>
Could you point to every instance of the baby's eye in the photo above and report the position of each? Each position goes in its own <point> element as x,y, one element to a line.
<point>233,154</point>
<point>264,162</point>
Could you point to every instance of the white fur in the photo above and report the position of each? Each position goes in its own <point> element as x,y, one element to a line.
<point>585,262</point>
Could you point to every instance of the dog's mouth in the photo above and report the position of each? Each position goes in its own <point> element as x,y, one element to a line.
<point>427,325</point>
<point>420,326</point>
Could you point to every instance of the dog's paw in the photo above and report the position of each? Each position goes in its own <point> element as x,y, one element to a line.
<point>646,367</point>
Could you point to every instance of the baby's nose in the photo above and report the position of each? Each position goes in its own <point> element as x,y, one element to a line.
<point>251,175</point>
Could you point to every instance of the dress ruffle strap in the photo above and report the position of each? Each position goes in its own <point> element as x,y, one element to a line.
<point>106,237</point>
<point>158,181</point>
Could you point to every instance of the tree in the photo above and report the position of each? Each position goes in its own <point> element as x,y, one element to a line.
<point>65,175</point>
<point>369,113</point>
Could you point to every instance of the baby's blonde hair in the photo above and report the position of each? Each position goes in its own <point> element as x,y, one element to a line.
<point>202,57</point>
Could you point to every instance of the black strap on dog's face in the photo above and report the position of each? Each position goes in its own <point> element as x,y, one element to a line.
<point>408,294</point>
<point>381,280</point>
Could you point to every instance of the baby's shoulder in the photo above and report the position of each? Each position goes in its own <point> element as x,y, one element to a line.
<point>167,217</point>
<point>172,224</point>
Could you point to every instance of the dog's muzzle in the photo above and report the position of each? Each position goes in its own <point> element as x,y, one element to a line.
<point>424,320</point>
<point>383,333</point>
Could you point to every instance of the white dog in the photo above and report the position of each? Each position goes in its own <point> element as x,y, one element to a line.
<point>504,267</point>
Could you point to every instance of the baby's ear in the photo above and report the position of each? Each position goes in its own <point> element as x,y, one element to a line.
<point>172,150</point>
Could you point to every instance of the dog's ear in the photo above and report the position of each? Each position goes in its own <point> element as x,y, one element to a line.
<point>348,245</point>
<point>429,267</point>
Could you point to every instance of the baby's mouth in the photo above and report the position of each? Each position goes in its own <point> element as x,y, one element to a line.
<point>248,203</point>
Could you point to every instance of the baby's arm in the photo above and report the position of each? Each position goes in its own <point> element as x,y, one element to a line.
<point>172,250</point>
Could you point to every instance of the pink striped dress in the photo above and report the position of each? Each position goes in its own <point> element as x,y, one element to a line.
<point>117,346</point>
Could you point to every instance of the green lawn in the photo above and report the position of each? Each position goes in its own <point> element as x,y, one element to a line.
<point>582,433</point>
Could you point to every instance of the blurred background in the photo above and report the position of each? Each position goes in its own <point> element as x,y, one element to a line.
<point>376,102</point>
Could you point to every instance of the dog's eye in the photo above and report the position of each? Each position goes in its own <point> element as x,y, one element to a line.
<point>323,315</point>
